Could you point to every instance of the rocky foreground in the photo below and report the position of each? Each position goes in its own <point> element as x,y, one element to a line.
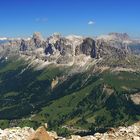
<point>27,133</point>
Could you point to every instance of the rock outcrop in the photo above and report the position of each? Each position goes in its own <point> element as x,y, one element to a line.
<point>121,133</point>
<point>16,133</point>
<point>40,134</point>
<point>54,83</point>
<point>26,133</point>
<point>135,98</point>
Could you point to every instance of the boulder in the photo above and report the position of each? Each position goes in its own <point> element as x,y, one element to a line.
<point>53,134</point>
<point>75,137</point>
<point>41,134</point>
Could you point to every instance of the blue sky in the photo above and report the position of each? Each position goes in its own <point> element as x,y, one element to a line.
<point>81,17</point>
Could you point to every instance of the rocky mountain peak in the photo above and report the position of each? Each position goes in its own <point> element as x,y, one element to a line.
<point>120,36</point>
<point>37,35</point>
<point>37,38</point>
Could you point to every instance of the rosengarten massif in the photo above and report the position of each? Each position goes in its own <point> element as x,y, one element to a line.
<point>74,85</point>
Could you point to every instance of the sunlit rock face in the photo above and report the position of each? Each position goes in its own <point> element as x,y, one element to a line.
<point>37,38</point>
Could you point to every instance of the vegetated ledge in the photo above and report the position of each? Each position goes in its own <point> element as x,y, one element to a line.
<point>121,133</point>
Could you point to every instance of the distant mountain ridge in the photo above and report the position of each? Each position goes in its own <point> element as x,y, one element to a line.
<point>73,49</point>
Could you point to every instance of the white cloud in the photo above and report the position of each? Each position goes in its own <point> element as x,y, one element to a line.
<point>3,38</point>
<point>91,22</point>
<point>43,20</point>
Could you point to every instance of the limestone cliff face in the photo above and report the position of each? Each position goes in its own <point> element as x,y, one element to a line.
<point>67,50</point>
<point>37,38</point>
<point>88,47</point>
<point>23,45</point>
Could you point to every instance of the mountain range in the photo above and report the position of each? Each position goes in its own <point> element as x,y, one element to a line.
<point>73,83</point>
